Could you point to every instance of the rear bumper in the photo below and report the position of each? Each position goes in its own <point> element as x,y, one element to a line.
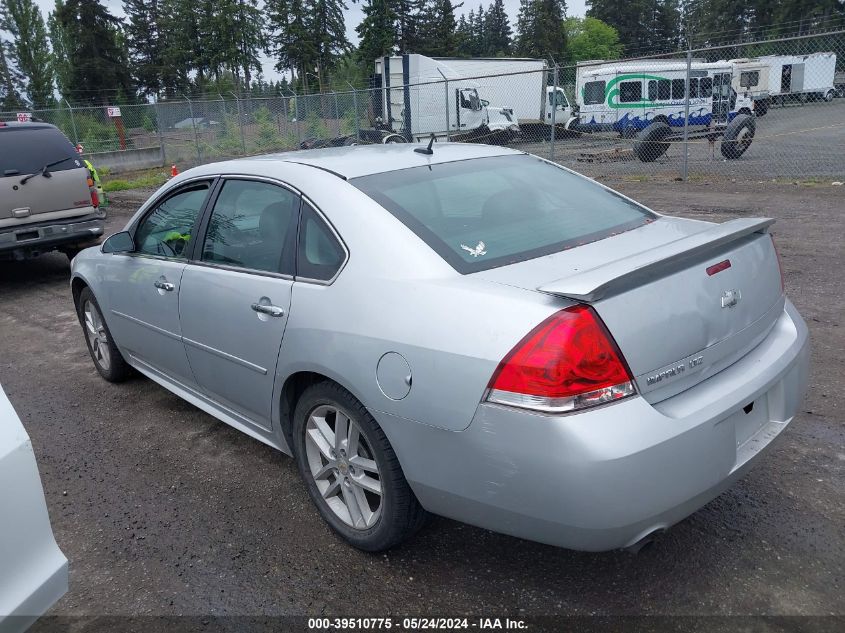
<point>606,478</point>
<point>21,241</point>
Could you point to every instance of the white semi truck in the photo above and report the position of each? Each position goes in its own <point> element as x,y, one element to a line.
<point>523,85</point>
<point>416,96</point>
<point>776,78</point>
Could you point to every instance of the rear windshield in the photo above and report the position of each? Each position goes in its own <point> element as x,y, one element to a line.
<point>489,212</point>
<point>24,151</point>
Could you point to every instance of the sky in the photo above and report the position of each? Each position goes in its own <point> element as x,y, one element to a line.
<point>354,15</point>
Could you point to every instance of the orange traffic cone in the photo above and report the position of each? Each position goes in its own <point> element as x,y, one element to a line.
<point>173,171</point>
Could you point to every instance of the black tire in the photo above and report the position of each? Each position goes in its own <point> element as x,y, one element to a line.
<point>117,370</point>
<point>761,108</point>
<point>401,514</point>
<point>651,144</point>
<point>828,96</point>
<point>738,136</point>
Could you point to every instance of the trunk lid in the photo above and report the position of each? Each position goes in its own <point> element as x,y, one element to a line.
<point>675,324</point>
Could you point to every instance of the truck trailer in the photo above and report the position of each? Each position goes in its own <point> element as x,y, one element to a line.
<point>777,78</point>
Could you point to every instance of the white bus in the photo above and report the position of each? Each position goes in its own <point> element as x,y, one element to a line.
<point>627,97</point>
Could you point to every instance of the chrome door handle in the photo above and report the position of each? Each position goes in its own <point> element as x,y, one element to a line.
<point>273,311</point>
<point>164,285</point>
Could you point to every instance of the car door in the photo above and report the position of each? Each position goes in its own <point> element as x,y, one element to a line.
<point>235,296</point>
<point>141,288</point>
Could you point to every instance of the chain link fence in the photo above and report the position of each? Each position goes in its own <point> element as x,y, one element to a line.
<point>770,110</point>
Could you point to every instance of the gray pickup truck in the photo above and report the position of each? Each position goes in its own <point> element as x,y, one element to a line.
<point>47,199</point>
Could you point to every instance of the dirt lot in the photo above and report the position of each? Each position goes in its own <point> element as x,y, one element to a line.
<point>163,510</point>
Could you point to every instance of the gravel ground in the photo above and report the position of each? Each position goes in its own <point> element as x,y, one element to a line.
<point>163,510</point>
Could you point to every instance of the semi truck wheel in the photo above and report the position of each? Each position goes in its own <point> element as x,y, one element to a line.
<point>738,136</point>
<point>651,144</point>
<point>394,138</point>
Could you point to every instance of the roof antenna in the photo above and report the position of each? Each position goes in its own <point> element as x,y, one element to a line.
<point>426,150</point>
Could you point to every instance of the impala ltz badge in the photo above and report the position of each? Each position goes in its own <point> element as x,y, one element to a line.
<point>730,298</point>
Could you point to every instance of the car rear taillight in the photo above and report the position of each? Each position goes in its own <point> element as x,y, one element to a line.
<point>568,362</point>
<point>780,263</point>
<point>95,198</point>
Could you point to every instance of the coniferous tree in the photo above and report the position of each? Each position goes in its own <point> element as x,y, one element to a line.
<point>438,30</point>
<point>497,30</point>
<point>144,39</point>
<point>540,29</point>
<point>62,67</point>
<point>10,79</point>
<point>376,31</point>
<point>99,70</point>
<point>30,49</point>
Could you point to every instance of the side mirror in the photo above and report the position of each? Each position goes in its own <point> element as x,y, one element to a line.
<point>119,243</point>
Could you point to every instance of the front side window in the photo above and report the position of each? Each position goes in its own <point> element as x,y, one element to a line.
<point>678,88</point>
<point>320,254</point>
<point>693,88</point>
<point>705,87</point>
<point>167,231</point>
<point>630,91</point>
<point>594,92</point>
<point>488,212</point>
<point>664,90</point>
<point>253,225</point>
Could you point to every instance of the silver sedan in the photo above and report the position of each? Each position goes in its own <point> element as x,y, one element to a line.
<point>473,332</point>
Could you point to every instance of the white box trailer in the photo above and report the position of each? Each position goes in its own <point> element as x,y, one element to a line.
<point>518,84</point>
<point>776,78</point>
<point>419,96</point>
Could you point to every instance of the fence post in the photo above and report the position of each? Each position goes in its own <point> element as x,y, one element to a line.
<point>446,94</point>
<point>685,173</point>
<point>194,125</point>
<point>73,123</point>
<point>160,134</point>
<point>336,113</point>
<point>357,114</point>
<point>240,121</point>
<point>553,102</point>
<point>296,116</point>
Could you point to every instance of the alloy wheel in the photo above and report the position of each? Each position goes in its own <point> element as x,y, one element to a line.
<point>95,330</point>
<point>342,464</point>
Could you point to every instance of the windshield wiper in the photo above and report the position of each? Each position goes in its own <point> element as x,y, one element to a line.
<point>43,171</point>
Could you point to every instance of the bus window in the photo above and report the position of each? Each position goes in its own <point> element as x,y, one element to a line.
<point>630,91</point>
<point>678,88</point>
<point>706,87</point>
<point>664,90</point>
<point>652,90</point>
<point>693,87</point>
<point>594,92</point>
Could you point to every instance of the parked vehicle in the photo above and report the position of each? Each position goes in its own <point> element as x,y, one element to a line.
<point>416,96</point>
<point>777,78</point>
<point>33,570</point>
<point>465,330</point>
<point>523,85</point>
<point>646,99</point>
<point>48,200</point>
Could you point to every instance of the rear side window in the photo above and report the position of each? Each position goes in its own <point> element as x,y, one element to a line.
<point>489,212</point>
<point>320,254</point>
<point>594,92</point>
<point>26,150</point>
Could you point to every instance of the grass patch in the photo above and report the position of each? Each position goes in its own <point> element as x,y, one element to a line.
<point>141,181</point>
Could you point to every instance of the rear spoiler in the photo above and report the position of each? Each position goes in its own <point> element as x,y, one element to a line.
<point>616,276</point>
